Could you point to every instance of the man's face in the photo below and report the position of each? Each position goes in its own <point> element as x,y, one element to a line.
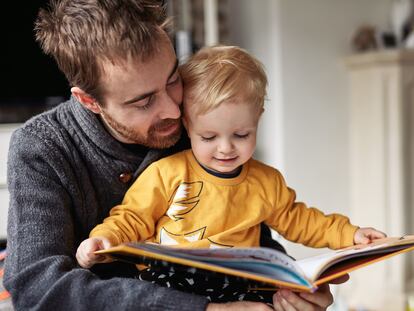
<point>142,99</point>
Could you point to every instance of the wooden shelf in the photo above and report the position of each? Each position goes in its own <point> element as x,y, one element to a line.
<point>373,59</point>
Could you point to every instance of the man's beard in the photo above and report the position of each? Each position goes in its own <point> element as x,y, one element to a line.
<point>152,140</point>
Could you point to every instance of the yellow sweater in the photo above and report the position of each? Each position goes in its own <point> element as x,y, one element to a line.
<point>175,201</point>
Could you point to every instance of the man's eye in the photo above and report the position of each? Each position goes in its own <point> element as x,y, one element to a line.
<point>174,81</point>
<point>147,103</point>
<point>207,138</point>
<point>242,136</point>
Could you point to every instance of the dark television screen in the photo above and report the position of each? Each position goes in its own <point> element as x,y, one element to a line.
<point>28,76</point>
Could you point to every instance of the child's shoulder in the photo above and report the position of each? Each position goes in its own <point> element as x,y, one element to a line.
<point>165,168</point>
<point>173,160</point>
<point>259,167</point>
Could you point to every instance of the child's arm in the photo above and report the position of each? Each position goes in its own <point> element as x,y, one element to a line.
<point>85,255</point>
<point>367,235</point>
<point>309,226</point>
<point>299,223</point>
<point>136,217</point>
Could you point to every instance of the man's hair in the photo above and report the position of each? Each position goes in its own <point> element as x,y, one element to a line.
<point>82,34</point>
<point>223,73</point>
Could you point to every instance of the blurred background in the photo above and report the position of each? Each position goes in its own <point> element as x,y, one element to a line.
<point>338,114</point>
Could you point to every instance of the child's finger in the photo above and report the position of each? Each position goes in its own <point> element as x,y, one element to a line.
<point>379,235</point>
<point>83,262</point>
<point>374,234</point>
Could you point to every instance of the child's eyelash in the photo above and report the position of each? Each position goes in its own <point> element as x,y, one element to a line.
<point>241,136</point>
<point>207,138</point>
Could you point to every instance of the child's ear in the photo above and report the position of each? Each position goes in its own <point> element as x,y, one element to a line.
<point>86,100</point>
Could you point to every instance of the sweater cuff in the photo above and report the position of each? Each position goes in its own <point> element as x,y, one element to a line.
<point>348,233</point>
<point>113,238</point>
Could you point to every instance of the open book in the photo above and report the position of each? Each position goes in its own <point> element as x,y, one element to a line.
<point>264,265</point>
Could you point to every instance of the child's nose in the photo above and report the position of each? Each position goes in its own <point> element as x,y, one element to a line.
<point>225,146</point>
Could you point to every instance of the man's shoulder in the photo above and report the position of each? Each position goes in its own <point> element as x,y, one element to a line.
<point>41,131</point>
<point>44,123</point>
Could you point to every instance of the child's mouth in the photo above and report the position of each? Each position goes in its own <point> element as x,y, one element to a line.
<point>226,159</point>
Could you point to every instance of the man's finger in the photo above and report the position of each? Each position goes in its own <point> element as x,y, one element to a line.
<point>291,301</point>
<point>340,280</point>
<point>321,298</point>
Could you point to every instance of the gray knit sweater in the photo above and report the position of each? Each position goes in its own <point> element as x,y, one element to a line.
<point>63,178</point>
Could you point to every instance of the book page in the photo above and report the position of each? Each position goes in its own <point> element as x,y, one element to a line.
<point>239,254</point>
<point>314,266</point>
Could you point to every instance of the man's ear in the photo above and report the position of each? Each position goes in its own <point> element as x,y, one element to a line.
<point>86,100</point>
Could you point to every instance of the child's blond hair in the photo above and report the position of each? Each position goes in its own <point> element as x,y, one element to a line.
<point>223,73</point>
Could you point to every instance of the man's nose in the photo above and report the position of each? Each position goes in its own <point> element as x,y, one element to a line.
<point>169,109</point>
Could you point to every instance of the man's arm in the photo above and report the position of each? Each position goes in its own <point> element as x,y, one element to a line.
<point>41,272</point>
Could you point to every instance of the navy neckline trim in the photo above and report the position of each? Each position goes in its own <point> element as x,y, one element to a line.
<point>223,175</point>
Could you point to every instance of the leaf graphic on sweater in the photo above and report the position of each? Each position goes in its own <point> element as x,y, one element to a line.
<point>169,238</point>
<point>184,199</point>
<point>218,245</point>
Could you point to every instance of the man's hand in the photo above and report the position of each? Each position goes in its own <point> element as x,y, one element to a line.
<point>238,306</point>
<point>367,235</point>
<point>85,255</point>
<point>285,300</point>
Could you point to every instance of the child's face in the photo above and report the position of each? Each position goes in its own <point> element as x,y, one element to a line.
<point>224,138</point>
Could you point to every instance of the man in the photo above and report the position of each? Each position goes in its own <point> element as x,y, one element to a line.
<point>69,166</point>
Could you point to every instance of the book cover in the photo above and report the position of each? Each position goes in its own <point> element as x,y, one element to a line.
<point>266,266</point>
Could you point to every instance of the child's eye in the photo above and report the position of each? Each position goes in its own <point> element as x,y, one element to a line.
<point>242,136</point>
<point>207,138</point>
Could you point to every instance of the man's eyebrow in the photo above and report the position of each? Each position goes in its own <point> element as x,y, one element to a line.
<point>148,94</point>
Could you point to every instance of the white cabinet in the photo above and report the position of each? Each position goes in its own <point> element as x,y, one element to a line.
<point>382,168</point>
<point>5,134</point>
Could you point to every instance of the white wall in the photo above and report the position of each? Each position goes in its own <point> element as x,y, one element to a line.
<point>5,134</point>
<point>305,128</point>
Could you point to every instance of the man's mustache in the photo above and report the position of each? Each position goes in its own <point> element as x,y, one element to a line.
<point>164,124</point>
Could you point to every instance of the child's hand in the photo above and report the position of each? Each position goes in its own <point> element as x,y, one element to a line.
<point>367,235</point>
<point>85,253</point>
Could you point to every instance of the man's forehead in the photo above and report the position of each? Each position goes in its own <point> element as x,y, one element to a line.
<point>123,59</point>
<point>121,64</point>
<point>163,57</point>
<point>126,80</point>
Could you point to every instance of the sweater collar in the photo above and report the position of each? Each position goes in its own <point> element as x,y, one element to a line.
<point>92,128</point>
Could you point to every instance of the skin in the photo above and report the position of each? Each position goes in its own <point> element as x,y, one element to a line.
<point>142,106</point>
<point>224,138</point>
